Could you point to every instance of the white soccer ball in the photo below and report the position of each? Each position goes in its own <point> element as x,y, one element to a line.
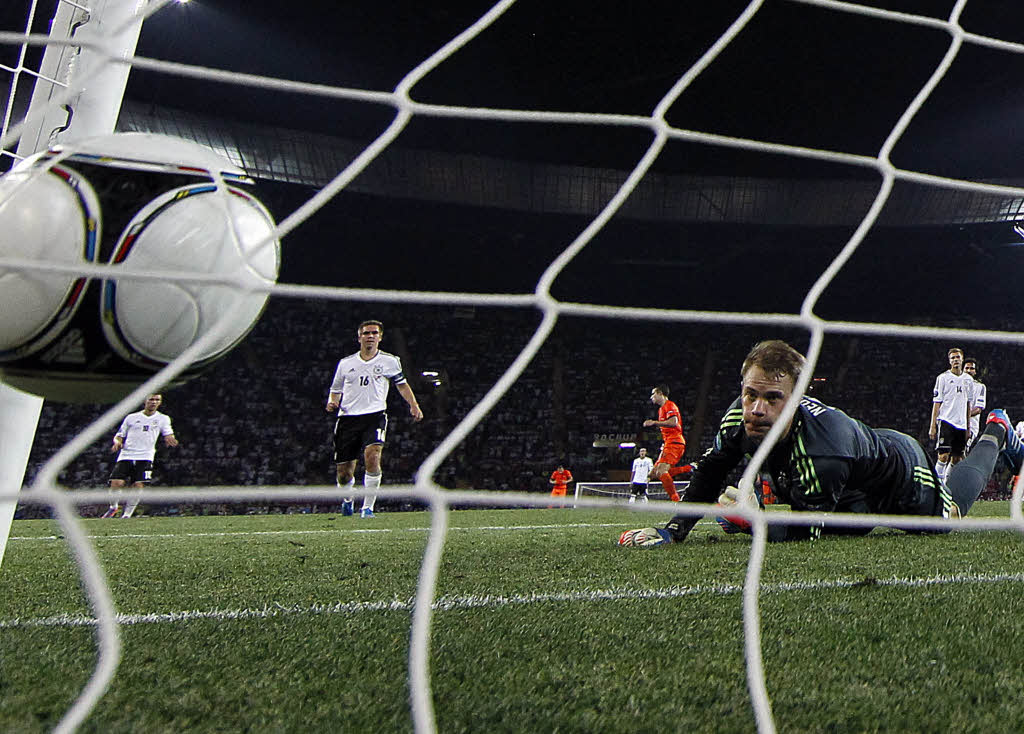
<point>160,207</point>
<point>193,229</point>
<point>44,218</point>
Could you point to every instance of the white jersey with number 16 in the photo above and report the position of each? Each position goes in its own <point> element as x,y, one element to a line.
<point>364,384</point>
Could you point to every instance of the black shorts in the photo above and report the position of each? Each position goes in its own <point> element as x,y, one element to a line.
<point>133,471</point>
<point>638,489</point>
<point>353,433</point>
<point>951,439</point>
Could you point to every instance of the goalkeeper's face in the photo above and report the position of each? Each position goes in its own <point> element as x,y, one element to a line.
<point>764,397</point>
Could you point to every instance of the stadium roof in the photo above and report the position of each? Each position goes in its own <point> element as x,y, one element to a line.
<point>434,174</point>
<point>798,74</point>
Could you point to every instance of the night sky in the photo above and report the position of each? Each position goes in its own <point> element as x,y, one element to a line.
<point>798,74</point>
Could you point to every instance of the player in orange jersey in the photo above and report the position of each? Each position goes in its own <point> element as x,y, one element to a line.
<point>673,442</point>
<point>560,478</point>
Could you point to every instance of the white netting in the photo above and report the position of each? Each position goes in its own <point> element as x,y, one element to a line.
<point>623,490</point>
<point>619,189</point>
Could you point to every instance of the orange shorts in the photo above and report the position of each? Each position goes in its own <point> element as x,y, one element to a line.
<point>558,491</point>
<point>671,453</point>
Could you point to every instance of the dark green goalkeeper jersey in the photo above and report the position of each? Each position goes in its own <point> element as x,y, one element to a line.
<point>829,462</point>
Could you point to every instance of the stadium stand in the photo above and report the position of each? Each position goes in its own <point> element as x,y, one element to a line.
<point>257,417</point>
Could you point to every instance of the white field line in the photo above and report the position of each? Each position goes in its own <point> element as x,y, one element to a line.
<point>331,531</point>
<point>494,601</point>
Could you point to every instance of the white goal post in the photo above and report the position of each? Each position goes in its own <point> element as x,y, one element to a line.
<point>621,490</point>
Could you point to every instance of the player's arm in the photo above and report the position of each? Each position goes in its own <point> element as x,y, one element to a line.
<point>671,421</point>
<point>824,485</point>
<point>979,404</point>
<point>979,399</point>
<point>933,427</point>
<point>335,393</point>
<point>407,394</point>
<point>119,437</point>
<point>708,479</point>
<point>716,463</point>
<point>168,433</point>
<point>827,493</point>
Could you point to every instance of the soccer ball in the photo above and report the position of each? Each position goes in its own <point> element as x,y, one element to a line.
<point>163,208</point>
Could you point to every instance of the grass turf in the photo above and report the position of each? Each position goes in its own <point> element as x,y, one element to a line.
<point>292,623</point>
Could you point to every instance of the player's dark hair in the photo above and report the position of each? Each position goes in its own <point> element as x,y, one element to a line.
<point>775,357</point>
<point>371,322</point>
<point>970,360</point>
<point>663,389</point>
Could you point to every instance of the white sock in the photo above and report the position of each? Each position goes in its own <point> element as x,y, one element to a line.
<point>129,508</point>
<point>370,482</point>
<point>942,469</point>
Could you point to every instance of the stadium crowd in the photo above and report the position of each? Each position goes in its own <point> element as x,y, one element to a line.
<point>257,418</point>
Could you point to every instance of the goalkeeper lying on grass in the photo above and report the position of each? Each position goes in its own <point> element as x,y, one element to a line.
<point>827,461</point>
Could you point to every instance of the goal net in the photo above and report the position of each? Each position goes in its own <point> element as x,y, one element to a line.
<point>577,207</point>
<point>623,490</point>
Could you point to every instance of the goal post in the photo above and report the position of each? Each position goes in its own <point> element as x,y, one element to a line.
<point>92,110</point>
<point>620,490</point>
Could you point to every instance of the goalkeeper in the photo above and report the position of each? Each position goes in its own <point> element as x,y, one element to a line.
<point>826,460</point>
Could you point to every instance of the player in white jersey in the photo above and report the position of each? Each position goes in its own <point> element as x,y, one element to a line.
<point>135,445</point>
<point>643,465</point>
<point>980,400</point>
<point>952,401</point>
<point>359,393</point>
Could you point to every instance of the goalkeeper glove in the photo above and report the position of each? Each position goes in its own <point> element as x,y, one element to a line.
<point>645,537</point>
<point>733,497</point>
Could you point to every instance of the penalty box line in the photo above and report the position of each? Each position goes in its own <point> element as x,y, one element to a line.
<point>495,601</point>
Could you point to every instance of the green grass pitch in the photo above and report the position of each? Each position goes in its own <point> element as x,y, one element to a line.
<point>301,623</point>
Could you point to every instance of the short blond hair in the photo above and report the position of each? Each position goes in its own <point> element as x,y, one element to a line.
<point>775,357</point>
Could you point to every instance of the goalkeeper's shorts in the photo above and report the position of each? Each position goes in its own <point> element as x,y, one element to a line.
<point>671,453</point>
